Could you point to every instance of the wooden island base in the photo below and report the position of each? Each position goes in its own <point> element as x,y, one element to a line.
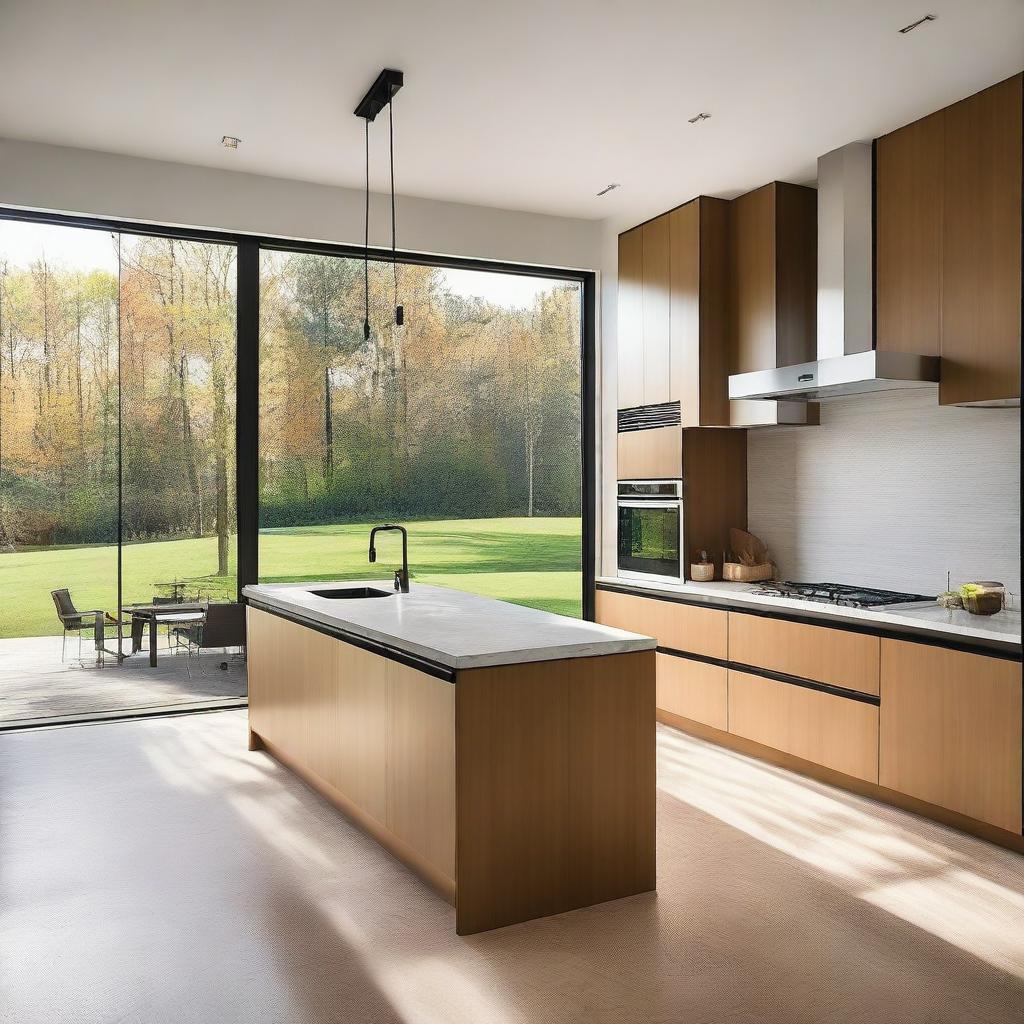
<point>516,791</point>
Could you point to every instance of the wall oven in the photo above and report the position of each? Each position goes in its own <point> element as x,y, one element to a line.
<point>650,529</point>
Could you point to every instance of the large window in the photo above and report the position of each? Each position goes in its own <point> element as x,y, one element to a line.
<point>464,424</point>
<point>184,412</point>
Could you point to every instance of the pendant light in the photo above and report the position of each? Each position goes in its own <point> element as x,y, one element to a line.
<point>378,97</point>
<point>399,309</point>
<point>366,244</point>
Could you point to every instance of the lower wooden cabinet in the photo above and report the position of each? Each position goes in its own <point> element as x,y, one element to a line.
<point>835,656</point>
<point>951,730</point>
<point>694,690</point>
<point>938,726</point>
<point>379,734</point>
<point>683,627</point>
<point>837,732</point>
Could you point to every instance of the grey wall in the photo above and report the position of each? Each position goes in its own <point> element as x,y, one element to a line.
<point>891,491</point>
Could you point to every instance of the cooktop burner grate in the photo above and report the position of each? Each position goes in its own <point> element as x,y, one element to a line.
<point>838,593</point>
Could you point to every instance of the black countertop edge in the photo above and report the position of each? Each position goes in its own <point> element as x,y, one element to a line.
<point>968,645</point>
<point>424,665</point>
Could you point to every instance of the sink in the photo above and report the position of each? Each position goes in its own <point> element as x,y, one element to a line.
<point>351,593</point>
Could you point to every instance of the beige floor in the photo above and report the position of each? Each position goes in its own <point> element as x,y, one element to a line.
<point>35,683</point>
<point>157,872</point>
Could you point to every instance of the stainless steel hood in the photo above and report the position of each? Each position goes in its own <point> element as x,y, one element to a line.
<point>855,374</point>
<point>847,362</point>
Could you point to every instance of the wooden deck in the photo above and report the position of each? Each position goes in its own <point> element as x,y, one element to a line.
<point>35,685</point>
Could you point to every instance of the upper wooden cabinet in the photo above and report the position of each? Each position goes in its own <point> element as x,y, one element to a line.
<point>981,247</point>
<point>699,233</point>
<point>908,237</point>
<point>948,251</point>
<point>773,282</point>
<point>774,277</point>
<point>672,313</point>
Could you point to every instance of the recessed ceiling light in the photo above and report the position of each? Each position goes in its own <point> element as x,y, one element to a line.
<point>699,117</point>
<point>916,24</point>
<point>608,188</point>
<point>229,142</point>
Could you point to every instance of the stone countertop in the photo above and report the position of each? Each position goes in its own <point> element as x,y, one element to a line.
<point>449,627</point>
<point>1001,631</point>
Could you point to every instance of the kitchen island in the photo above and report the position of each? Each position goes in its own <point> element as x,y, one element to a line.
<point>505,754</point>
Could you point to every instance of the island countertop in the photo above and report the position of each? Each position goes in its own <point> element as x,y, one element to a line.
<point>449,627</point>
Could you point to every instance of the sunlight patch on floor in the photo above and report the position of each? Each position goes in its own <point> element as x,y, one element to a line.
<point>932,877</point>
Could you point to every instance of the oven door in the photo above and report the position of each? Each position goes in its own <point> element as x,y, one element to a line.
<point>650,539</point>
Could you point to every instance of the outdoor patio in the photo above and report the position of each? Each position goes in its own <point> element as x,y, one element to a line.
<point>35,685</point>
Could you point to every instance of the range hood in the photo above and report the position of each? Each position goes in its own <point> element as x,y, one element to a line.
<point>847,363</point>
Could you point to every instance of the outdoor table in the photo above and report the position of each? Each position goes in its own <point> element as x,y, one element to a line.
<point>157,614</point>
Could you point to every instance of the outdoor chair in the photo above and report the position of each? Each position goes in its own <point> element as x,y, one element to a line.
<point>94,620</point>
<point>223,626</point>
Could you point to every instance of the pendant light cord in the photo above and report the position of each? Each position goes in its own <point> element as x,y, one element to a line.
<point>366,242</point>
<point>399,311</point>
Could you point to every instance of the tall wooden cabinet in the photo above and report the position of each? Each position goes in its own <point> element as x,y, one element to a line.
<point>631,326</point>
<point>672,310</point>
<point>948,243</point>
<point>656,311</point>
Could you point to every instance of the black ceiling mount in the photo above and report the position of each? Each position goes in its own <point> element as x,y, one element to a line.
<point>379,94</point>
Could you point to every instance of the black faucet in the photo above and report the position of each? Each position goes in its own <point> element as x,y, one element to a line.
<point>401,575</point>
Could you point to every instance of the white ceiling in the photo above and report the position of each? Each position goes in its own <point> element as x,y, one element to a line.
<point>523,104</point>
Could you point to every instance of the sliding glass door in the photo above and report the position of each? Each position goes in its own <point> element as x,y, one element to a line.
<point>117,466</point>
<point>58,431</point>
<point>465,424</point>
<point>178,355</point>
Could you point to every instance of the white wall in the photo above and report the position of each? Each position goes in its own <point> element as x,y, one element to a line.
<point>891,490</point>
<point>58,178</point>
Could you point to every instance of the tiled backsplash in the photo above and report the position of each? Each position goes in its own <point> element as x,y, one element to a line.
<point>891,490</point>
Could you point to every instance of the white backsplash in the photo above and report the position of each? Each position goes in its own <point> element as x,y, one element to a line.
<point>891,490</point>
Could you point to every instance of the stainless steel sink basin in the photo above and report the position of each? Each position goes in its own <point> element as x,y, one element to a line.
<point>343,593</point>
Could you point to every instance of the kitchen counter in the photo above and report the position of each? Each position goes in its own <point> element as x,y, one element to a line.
<point>505,754</point>
<point>448,627</point>
<point>1000,632</point>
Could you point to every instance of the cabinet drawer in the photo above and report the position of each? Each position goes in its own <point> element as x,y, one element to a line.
<point>833,656</point>
<point>694,690</point>
<point>682,627</point>
<point>837,732</point>
<point>655,454</point>
<point>951,730</point>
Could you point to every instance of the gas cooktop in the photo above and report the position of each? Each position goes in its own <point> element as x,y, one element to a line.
<point>837,593</point>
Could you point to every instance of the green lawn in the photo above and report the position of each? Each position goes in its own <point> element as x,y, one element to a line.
<point>534,562</point>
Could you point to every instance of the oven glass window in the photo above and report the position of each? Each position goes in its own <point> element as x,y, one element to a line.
<point>649,540</point>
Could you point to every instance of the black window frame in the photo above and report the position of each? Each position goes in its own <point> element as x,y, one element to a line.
<point>248,247</point>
